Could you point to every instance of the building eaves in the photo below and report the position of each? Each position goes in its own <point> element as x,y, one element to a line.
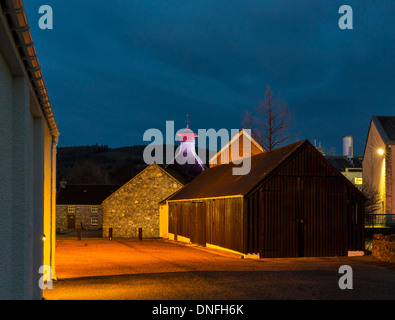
<point>15,15</point>
<point>385,125</point>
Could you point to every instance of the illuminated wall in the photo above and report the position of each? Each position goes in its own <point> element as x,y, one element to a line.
<point>25,189</point>
<point>49,201</point>
<point>164,220</point>
<point>390,179</point>
<point>374,164</point>
<point>236,149</point>
<point>136,205</point>
<point>26,160</point>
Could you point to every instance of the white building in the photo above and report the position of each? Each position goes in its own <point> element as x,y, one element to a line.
<point>241,145</point>
<point>28,139</point>
<point>378,160</point>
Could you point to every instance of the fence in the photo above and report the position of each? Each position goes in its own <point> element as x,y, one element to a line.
<point>380,221</point>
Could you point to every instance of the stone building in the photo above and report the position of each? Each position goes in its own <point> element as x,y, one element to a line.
<point>136,204</point>
<point>80,206</point>
<point>29,137</point>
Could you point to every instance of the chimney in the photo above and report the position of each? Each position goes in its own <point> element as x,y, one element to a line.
<point>348,146</point>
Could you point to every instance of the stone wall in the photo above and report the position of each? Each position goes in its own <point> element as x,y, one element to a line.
<point>82,214</point>
<point>136,204</point>
<point>383,247</point>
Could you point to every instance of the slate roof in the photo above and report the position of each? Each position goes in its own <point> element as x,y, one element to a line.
<point>177,175</point>
<point>187,170</point>
<point>386,127</point>
<point>342,162</point>
<point>84,194</point>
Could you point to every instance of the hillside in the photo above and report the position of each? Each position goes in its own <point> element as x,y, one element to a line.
<point>101,164</point>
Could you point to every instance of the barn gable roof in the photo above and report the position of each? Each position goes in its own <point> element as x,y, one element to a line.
<point>219,182</point>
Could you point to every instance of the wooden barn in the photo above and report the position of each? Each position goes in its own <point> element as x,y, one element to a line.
<point>293,203</point>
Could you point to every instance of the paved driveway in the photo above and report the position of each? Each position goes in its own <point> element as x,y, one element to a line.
<point>159,269</point>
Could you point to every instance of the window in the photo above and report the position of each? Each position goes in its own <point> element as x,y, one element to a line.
<point>94,221</point>
<point>94,209</point>
<point>71,209</point>
<point>358,180</point>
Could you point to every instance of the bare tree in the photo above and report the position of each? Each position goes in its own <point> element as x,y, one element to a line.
<point>270,122</point>
<point>372,199</point>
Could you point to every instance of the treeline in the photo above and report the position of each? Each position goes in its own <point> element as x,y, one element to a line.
<point>100,164</point>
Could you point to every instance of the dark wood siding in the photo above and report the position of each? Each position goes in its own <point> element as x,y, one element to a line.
<point>216,221</point>
<point>306,209</point>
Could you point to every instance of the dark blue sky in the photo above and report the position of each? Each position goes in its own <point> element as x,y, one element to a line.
<point>116,68</point>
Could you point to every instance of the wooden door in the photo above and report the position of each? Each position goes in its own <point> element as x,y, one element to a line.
<point>197,214</point>
<point>70,221</point>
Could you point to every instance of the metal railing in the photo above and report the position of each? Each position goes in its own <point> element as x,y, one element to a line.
<point>380,221</point>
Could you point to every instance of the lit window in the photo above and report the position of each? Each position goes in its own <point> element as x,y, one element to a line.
<point>358,180</point>
<point>94,209</point>
<point>94,221</point>
<point>71,209</point>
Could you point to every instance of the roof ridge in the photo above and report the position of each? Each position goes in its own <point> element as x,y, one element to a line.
<point>219,181</point>
<point>387,136</point>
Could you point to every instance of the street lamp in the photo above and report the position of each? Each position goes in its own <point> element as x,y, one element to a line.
<point>380,151</point>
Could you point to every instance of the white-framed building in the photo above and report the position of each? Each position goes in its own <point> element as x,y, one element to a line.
<point>28,140</point>
<point>379,160</point>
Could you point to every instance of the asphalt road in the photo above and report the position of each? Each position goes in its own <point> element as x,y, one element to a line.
<point>98,269</point>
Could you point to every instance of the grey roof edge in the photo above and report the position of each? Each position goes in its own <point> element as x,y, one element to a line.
<point>383,134</point>
<point>14,9</point>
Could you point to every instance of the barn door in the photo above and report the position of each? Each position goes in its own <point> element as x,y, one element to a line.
<point>300,219</point>
<point>282,219</point>
<point>301,240</point>
<point>198,223</point>
<point>175,221</point>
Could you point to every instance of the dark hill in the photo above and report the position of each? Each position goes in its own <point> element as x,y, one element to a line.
<point>100,164</point>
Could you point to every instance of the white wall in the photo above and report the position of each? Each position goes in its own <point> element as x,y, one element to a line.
<point>21,189</point>
<point>5,178</point>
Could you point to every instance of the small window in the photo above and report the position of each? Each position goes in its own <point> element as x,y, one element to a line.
<point>94,209</point>
<point>71,209</point>
<point>94,221</point>
<point>358,180</point>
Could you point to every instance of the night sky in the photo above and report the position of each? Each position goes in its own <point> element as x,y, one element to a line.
<point>114,69</point>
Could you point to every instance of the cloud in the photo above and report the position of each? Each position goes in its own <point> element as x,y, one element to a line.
<point>135,64</point>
